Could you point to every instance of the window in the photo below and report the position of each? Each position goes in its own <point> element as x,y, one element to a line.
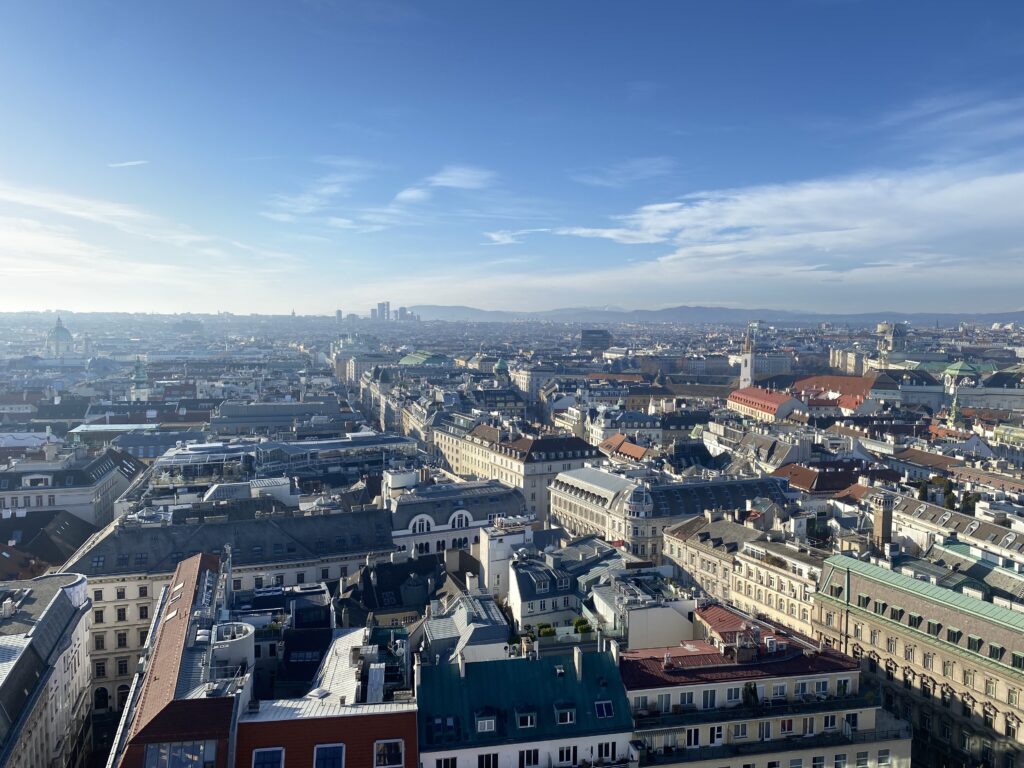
<point>97,595</point>
<point>331,756</point>
<point>839,761</point>
<point>709,699</point>
<point>446,762</point>
<point>829,722</point>
<point>786,726</point>
<point>739,731</point>
<point>778,690</point>
<point>714,734</point>
<point>143,634</point>
<point>143,591</point>
<point>120,593</point>
<point>566,715</point>
<point>122,639</point>
<point>484,724</point>
<point>99,642</point>
<point>796,762</point>
<point>122,667</point>
<point>258,582</point>
<point>603,709</point>
<point>974,643</point>
<point>122,614</point>
<point>862,760</point>
<point>732,696</point>
<point>990,687</point>
<point>97,616</point>
<point>527,719</point>
<point>101,668</point>
<point>389,754</point>
<point>821,687</point>
<point>818,761</point>
<point>929,660</point>
<point>953,635</point>
<point>566,756</point>
<point>528,758</point>
<point>181,754</point>
<point>325,574</point>
<point>236,585</point>
<point>268,758</point>
<point>606,750</point>
<point>143,612</point>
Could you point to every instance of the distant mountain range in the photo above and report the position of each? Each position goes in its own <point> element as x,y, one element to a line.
<point>710,315</point>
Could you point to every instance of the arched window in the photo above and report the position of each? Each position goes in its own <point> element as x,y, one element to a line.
<point>101,699</point>
<point>459,520</point>
<point>421,525</point>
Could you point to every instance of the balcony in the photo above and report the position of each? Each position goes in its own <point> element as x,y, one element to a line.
<point>788,708</point>
<point>726,751</point>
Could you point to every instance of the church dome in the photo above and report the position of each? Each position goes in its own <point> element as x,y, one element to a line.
<point>58,339</point>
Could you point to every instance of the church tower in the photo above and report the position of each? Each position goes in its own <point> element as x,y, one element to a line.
<point>747,359</point>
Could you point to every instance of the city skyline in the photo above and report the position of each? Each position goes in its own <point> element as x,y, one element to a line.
<point>827,156</point>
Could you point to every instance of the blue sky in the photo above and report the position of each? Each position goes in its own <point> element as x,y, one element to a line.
<point>264,156</point>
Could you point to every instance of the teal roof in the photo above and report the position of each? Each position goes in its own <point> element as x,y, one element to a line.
<point>449,705</point>
<point>971,606</point>
<point>424,357</point>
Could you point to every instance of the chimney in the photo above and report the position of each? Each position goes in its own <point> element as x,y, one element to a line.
<point>462,664</point>
<point>613,646</point>
<point>417,673</point>
<point>577,661</point>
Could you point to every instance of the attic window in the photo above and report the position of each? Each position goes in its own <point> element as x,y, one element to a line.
<point>485,724</point>
<point>603,709</point>
<point>565,715</point>
<point>527,719</point>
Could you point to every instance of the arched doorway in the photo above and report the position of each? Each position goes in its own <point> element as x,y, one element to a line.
<point>122,697</point>
<point>101,699</point>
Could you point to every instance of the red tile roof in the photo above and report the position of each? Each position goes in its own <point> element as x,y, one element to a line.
<point>762,399</point>
<point>161,677</point>
<point>857,386</point>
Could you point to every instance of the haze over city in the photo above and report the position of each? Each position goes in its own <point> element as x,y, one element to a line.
<point>839,156</point>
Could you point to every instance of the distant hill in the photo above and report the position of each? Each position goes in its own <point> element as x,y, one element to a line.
<point>710,315</point>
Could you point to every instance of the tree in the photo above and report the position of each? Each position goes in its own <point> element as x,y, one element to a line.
<point>922,491</point>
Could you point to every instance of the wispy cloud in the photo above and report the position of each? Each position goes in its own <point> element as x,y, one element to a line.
<point>322,192</point>
<point>462,177</point>
<point>413,195</point>
<point>836,223</point>
<point>127,163</point>
<point>510,236</point>
<point>627,172</point>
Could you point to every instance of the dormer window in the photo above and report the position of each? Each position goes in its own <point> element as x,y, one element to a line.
<point>485,724</point>
<point>527,719</point>
<point>565,715</point>
<point>603,709</point>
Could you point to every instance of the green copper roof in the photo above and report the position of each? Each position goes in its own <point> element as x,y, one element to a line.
<point>449,705</point>
<point>971,606</point>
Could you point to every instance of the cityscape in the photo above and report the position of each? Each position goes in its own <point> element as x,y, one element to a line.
<point>400,385</point>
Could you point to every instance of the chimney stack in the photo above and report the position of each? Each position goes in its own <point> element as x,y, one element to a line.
<point>577,661</point>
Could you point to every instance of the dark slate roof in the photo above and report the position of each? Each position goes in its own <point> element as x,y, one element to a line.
<point>280,538</point>
<point>390,586</point>
<point>50,535</point>
<point>83,475</point>
<point>448,704</point>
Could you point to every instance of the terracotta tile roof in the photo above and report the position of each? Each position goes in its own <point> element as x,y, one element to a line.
<point>856,386</point>
<point>762,399</point>
<point>161,677</point>
<point>647,669</point>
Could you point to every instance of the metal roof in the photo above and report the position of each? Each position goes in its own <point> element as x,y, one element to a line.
<point>969,605</point>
